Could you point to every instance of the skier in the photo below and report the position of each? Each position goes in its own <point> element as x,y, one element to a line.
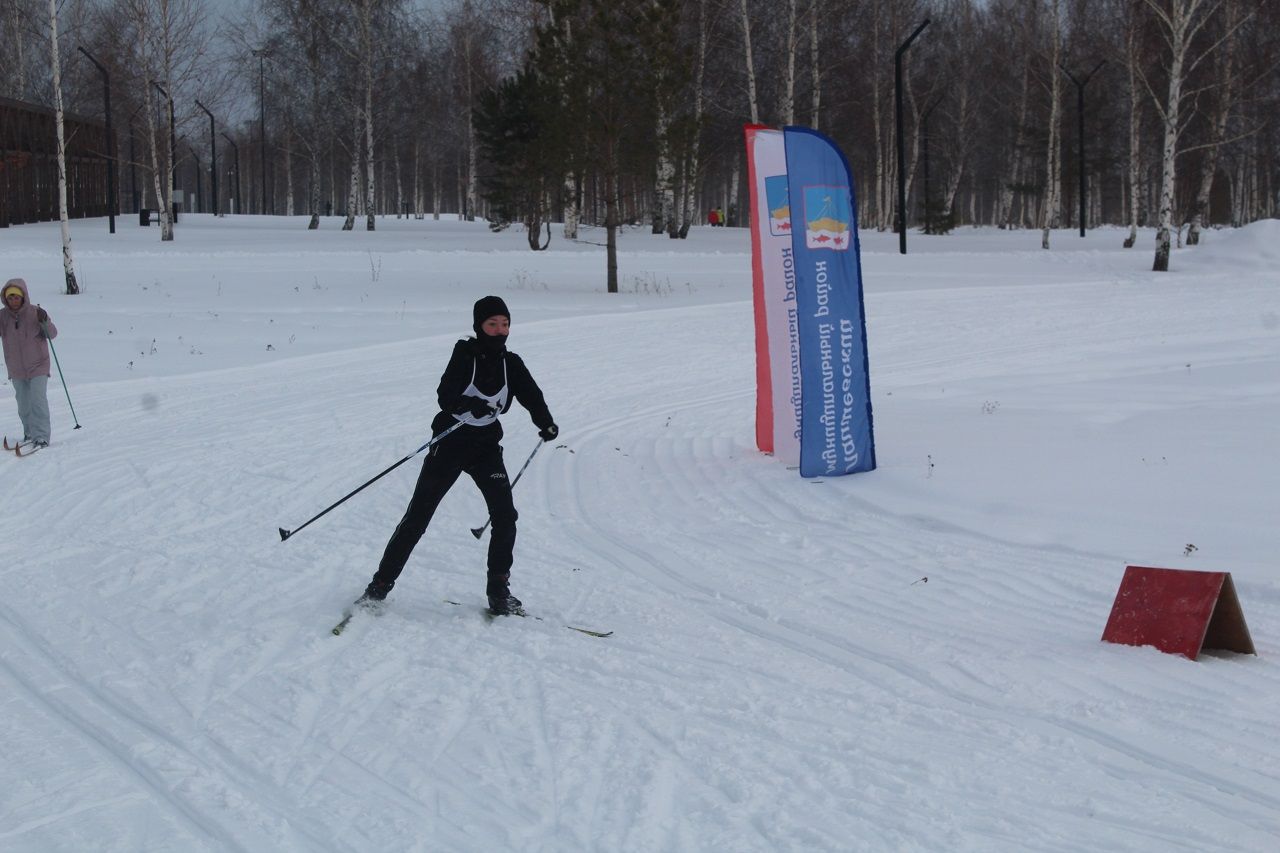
<point>478,384</point>
<point>25,330</point>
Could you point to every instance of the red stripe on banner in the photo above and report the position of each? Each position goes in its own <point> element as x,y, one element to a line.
<point>764,381</point>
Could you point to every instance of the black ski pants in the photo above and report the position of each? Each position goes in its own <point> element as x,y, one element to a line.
<point>482,461</point>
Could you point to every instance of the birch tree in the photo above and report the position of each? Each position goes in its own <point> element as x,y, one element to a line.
<point>1132,61</point>
<point>17,36</point>
<point>1224,91</point>
<point>1053,165</point>
<point>692,159</point>
<point>55,65</point>
<point>753,101</point>
<point>1180,21</point>
<point>169,47</point>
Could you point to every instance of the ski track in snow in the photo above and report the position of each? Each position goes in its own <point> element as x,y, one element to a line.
<point>780,676</point>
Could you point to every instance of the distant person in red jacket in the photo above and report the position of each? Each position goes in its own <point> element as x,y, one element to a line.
<point>713,217</point>
<point>25,331</point>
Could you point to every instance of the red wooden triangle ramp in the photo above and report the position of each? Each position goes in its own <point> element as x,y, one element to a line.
<point>1178,611</point>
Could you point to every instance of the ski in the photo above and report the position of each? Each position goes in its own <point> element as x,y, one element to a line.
<point>351,612</point>
<point>26,449</point>
<point>346,620</point>
<point>14,447</point>
<point>490,616</point>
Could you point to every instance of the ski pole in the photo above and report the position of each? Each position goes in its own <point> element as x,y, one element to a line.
<point>45,328</point>
<point>285,534</point>
<point>479,531</point>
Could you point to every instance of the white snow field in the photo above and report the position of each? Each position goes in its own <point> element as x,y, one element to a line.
<point>781,676</point>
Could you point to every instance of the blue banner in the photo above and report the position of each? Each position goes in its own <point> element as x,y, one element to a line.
<point>836,434</point>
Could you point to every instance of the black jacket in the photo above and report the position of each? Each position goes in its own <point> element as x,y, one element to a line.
<point>488,372</point>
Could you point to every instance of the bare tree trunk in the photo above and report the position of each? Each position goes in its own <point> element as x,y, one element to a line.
<point>961,149</point>
<point>789,77</point>
<point>367,36</point>
<point>353,187</point>
<point>288,171</point>
<point>19,43</point>
<point>1053,169</point>
<point>399,187</point>
<point>881,190</point>
<point>752,100</point>
<point>692,163</point>
<point>314,194</point>
<point>1135,130</point>
<point>417,178</point>
<point>1179,29</point>
<point>68,262</point>
<point>611,217</point>
<point>815,68</point>
<point>1225,67</point>
<point>435,188</point>
<point>164,215</point>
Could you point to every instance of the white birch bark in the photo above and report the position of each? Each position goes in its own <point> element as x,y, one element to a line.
<point>154,150</point>
<point>55,62</point>
<point>435,188</point>
<point>1178,20</point>
<point>1049,214</point>
<point>563,29</point>
<point>1135,131</point>
<point>1225,73</point>
<point>417,178</point>
<point>399,188</point>
<point>1017,155</point>
<point>353,186</point>
<point>288,172</point>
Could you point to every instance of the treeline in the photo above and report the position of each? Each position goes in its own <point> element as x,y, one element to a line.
<point>616,112</point>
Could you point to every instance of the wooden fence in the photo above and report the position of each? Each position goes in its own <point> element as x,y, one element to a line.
<point>29,165</point>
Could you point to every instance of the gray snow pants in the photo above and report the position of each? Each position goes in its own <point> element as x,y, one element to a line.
<point>33,407</point>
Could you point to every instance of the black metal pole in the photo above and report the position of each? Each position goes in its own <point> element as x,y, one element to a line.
<point>236,150</point>
<point>1080,84</point>
<point>111,158</point>
<point>902,147</point>
<point>213,156</point>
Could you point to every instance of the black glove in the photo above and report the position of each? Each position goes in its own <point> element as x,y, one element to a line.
<point>548,433</point>
<point>476,407</point>
<point>42,315</point>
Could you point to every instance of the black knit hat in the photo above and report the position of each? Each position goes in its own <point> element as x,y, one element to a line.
<point>489,306</point>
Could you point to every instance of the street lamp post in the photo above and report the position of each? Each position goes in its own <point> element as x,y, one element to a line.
<point>213,157</point>
<point>111,157</point>
<point>1080,84</point>
<point>236,149</point>
<point>902,148</point>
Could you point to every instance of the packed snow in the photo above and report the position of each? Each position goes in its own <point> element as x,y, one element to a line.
<point>907,659</point>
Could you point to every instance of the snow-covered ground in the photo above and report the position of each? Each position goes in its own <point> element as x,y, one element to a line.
<point>781,676</point>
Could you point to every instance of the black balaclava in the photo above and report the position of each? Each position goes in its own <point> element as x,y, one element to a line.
<point>489,306</point>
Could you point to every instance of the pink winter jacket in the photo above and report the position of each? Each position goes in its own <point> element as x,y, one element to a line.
<point>26,350</point>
